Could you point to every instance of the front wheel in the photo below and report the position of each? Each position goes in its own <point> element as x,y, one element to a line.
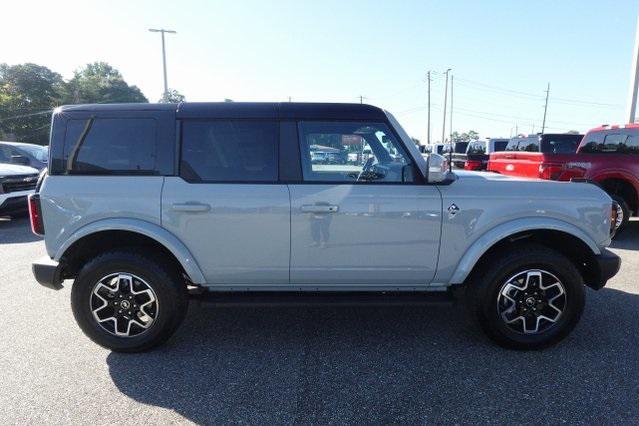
<point>128,302</point>
<point>529,297</point>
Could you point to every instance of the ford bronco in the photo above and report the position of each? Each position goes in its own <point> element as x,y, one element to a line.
<point>145,203</point>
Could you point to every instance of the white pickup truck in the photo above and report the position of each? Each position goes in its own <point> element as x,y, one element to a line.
<point>16,183</point>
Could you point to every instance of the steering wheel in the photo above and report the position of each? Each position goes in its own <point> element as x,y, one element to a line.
<point>366,168</point>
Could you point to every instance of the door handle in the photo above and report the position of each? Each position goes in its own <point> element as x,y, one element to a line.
<point>315,208</point>
<point>190,207</point>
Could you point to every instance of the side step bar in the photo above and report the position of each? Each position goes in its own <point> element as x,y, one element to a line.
<point>324,298</point>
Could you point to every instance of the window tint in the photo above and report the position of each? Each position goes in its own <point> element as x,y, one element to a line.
<point>612,143</point>
<point>110,145</point>
<point>352,152</point>
<point>476,148</point>
<point>229,151</point>
<point>460,147</point>
<point>500,145</point>
<point>560,144</point>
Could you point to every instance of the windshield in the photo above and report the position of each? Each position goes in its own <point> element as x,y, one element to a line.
<point>40,153</point>
<point>408,142</point>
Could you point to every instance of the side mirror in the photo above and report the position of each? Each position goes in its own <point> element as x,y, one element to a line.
<point>20,159</point>
<point>437,167</point>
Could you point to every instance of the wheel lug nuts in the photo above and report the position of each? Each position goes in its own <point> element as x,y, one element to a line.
<point>120,311</point>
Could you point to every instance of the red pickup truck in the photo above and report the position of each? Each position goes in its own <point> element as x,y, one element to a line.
<point>608,156</point>
<point>535,156</point>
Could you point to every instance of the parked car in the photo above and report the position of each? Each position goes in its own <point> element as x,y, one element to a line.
<point>16,183</point>
<point>435,148</point>
<point>477,153</point>
<point>458,155</point>
<point>535,156</point>
<point>608,156</point>
<point>24,154</point>
<point>139,214</point>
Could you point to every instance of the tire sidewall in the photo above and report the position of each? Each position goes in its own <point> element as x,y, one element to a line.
<point>156,278</point>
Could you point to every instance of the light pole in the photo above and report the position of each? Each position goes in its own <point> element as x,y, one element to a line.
<point>445,101</point>
<point>162,31</point>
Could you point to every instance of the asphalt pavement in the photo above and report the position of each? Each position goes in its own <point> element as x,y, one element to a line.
<point>304,365</point>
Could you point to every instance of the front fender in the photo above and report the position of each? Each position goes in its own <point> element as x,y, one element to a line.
<point>504,230</point>
<point>151,230</point>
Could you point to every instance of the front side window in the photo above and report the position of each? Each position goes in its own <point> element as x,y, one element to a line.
<point>352,152</point>
<point>110,146</point>
<point>229,151</point>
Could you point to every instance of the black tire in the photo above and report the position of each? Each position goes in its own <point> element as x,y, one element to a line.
<point>625,209</point>
<point>170,291</point>
<point>486,284</point>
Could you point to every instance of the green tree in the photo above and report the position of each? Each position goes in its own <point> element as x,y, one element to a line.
<point>471,135</point>
<point>28,94</point>
<point>172,97</point>
<point>100,83</point>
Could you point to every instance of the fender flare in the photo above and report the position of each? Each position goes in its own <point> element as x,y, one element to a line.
<point>148,229</point>
<point>504,230</point>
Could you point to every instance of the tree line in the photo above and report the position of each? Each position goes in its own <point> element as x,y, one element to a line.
<point>29,93</point>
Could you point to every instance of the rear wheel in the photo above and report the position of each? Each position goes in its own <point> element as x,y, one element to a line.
<point>128,302</point>
<point>530,298</point>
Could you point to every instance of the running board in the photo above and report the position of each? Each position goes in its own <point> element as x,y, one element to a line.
<point>324,298</point>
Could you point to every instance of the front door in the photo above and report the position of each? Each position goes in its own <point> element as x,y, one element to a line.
<point>359,219</point>
<point>227,206</point>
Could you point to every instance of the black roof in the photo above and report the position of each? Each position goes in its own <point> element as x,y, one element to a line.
<point>278,110</point>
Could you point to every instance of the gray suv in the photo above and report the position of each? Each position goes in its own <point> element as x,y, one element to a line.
<point>146,203</point>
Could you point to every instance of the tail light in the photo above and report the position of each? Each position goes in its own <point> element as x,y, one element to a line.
<point>35,214</point>
<point>473,165</point>
<point>550,171</point>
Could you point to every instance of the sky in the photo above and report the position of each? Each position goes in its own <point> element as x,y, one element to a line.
<point>502,54</point>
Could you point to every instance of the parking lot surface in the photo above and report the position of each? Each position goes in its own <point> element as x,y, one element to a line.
<point>313,364</point>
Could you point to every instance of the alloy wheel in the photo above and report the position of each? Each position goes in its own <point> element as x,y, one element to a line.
<point>124,304</point>
<point>532,301</point>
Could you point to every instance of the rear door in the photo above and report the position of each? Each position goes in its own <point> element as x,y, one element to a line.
<point>367,223</point>
<point>227,204</point>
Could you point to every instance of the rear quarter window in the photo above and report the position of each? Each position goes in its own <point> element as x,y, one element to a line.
<point>110,146</point>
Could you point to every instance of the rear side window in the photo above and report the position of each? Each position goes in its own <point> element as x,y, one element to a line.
<point>229,151</point>
<point>110,146</point>
<point>560,144</point>
<point>500,145</point>
<point>612,143</point>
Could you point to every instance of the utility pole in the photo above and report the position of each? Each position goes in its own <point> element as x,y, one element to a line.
<point>289,99</point>
<point>451,108</point>
<point>361,99</point>
<point>543,124</point>
<point>445,101</point>
<point>634,80</point>
<point>162,31</point>
<point>428,128</point>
